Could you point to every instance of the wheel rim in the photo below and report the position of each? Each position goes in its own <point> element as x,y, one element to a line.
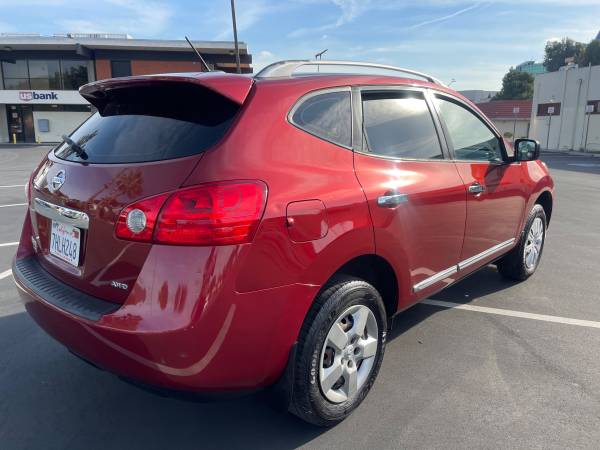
<point>348,354</point>
<point>533,246</point>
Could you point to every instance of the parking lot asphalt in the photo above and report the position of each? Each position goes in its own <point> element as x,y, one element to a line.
<point>451,378</point>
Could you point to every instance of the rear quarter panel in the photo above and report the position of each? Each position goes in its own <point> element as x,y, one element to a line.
<point>296,166</point>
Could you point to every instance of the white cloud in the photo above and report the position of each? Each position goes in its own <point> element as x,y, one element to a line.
<point>445,17</point>
<point>262,59</point>
<point>349,11</point>
<point>253,12</point>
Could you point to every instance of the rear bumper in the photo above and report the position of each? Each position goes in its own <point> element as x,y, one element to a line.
<point>215,341</point>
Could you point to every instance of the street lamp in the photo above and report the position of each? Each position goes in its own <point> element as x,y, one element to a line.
<point>235,39</point>
<point>319,55</point>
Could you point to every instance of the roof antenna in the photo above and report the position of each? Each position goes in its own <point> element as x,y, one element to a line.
<point>208,69</point>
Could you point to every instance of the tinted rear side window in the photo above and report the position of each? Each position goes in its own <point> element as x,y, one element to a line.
<point>152,123</point>
<point>327,116</point>
<point>399,125</point>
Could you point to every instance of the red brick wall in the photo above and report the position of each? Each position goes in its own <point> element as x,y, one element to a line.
<point>102,69</point>
<point>143,67</point>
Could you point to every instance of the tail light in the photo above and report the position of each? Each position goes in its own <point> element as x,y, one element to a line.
<point>222,213</point>
<point>29,187</point>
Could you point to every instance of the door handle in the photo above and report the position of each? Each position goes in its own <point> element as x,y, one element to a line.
<point>391,199</point>
<point>476,188</point>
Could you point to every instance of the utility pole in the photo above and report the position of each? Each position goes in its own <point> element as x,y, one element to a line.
<point>235,39</point>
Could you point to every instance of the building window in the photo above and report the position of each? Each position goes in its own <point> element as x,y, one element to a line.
<point>120,68</point>
<point>15,74</point>
<point>548,109</point>
<point>40,74</point>
<point>44,74</point>
<point>74,74</point>
<point>593,107</point>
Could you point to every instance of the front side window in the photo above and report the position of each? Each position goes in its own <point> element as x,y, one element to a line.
<point>470,138</point>
<point>327,116</point>
<point>399,125</point>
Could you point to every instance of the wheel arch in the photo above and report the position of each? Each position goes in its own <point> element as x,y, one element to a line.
<point>377,271</point>
<point>546,201</point>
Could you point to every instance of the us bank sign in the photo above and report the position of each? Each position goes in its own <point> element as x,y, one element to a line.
<point>42,97</point>
<point>27,96</point>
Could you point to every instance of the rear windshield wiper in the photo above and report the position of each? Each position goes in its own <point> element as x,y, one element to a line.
<point>77,149</point>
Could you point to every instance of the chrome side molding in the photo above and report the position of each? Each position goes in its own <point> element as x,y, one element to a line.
<point>490,251</point>
<point>63,214</point>
<point>437,277</point>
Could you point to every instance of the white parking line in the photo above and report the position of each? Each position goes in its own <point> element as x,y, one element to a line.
<point>12,186</point>
<point>9,244</point>
<point>14,204</point>
<point>5,274</point>
<point>508,312</point>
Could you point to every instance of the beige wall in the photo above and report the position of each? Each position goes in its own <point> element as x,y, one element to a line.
<point>520,128</point>
<point>61,122</point>
<point>572,88</point>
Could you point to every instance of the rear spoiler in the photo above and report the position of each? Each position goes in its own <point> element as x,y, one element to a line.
<point>232,86</point>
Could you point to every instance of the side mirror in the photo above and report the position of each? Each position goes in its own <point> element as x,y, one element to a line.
<point>527,150</point>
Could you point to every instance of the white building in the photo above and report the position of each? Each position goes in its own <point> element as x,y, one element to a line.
<point>566,109</point>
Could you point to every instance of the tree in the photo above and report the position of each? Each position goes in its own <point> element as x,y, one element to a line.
<point>516,86</point>
<point>591,54</point>
<point>557,51</point>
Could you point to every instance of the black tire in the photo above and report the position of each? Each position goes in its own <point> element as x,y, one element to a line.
<point>512,265</point>
<point>308,401</point>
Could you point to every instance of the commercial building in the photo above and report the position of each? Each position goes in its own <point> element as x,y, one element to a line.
<point>566,109</point>
<point>511,117</point>
<point>40,75</point>
<point>532,67</point>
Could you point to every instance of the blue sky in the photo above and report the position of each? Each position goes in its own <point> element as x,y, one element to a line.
<point>472,42</point>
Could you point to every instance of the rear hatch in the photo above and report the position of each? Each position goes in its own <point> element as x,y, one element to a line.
<point>147,136</point>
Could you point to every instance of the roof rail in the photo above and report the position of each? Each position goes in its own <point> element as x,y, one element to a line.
<point>287,68</point>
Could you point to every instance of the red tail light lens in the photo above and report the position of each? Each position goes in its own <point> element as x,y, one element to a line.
<point>222,213</point>
<point>150,207</point>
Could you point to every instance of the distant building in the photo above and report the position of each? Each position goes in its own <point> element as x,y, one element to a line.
<point>566,109</point>
<point>478,95</point>
<point>532,67</point>
<point>511,117</point>
<point>40,75</point>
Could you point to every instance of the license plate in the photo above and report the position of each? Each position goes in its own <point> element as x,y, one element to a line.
<point>65,242</point>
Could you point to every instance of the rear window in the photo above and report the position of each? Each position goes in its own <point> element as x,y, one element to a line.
<point>327,116</point>
<point>151,123</point>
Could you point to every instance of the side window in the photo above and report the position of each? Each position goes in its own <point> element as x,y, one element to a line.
<point>327,116</point>
<point>469,136</point>
<point>399,125</point>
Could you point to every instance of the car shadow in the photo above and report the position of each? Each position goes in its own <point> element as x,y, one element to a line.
<point>479,284</point>
<point>50,399</point>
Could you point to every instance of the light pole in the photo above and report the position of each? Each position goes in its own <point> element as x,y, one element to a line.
<point>516,110</point>
<point>319,56</point>
<point>235,39</point>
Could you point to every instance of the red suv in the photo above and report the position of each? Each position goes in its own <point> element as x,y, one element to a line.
<point>223,233</point>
